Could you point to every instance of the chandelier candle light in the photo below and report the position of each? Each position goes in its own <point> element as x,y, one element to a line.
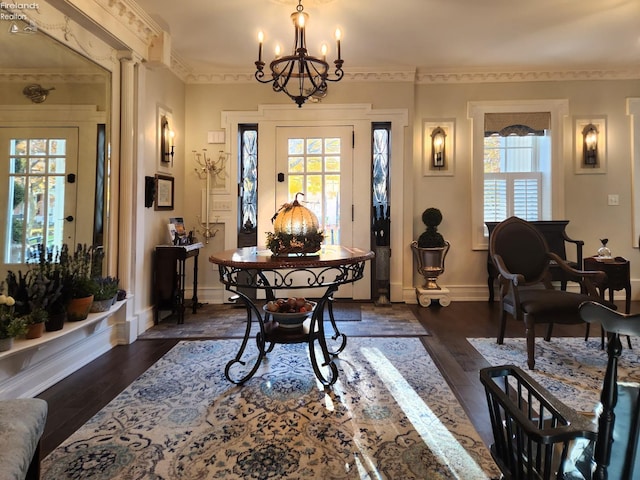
<point>299,75</point>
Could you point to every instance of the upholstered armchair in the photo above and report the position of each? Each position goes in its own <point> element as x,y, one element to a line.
<point>522,257</point>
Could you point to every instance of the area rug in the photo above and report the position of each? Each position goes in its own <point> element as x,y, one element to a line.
<point>390,415</point>
<point>570,368</point>
<point>229,321</point>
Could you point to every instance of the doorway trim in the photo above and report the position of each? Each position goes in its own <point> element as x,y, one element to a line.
<point>360,116</point>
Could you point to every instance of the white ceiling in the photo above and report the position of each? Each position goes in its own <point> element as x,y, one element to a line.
<point>220,36</point>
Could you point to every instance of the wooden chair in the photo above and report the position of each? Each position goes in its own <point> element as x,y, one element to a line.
<point>522,257</point>
<point>538,436</point>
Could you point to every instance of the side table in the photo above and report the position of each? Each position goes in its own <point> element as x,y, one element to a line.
<point>618,276</point>
<point>169,278</point>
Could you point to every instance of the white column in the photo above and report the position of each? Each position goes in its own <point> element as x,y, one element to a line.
<point>125,176</point>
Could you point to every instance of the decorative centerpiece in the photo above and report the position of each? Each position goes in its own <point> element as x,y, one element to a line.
<point>430,252</point>
<point>295,231</point>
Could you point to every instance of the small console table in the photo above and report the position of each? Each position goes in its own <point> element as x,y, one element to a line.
<point>618,276</point>
<point>169,278</point>
<point>256,267</point>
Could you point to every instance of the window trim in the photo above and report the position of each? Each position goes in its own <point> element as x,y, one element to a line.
<point>559,109</point>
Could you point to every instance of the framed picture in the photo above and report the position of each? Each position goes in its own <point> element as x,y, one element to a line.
<point>164,192</point>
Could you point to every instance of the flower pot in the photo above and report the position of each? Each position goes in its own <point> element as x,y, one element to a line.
<point>102,305</point>
<point>6,344</point>
<point>78,308</point>
<point>55,321</point>
<point>36,330</point>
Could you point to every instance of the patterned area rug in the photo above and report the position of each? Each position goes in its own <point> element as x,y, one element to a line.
<point>229,321</point>
<point>390,415</point>
<point>570,368</point>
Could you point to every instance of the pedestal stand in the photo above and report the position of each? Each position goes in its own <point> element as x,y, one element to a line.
<point>426,296</point>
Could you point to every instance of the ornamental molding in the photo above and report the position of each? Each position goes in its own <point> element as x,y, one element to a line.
<point>57,77</point>
<point>527,76</point>
<point>189,76</point>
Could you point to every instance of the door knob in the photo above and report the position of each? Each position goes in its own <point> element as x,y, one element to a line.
<point>69,218</point>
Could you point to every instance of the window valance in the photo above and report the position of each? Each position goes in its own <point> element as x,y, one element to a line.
<point>516,123</point>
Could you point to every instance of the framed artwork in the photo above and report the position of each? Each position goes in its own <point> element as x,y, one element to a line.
<point>164,192</point>
<point>438,145</point>
<point>590,145</point>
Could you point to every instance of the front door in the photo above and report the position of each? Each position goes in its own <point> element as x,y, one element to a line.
<point>318,162</point>
<point>38,200</point>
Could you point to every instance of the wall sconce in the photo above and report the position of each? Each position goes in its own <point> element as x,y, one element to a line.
<point>590,145</point>
<point>166,141</point>
<point>438,137</point>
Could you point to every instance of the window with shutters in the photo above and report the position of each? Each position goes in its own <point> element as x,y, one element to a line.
<point>513,177</point>
<point>517,166</point>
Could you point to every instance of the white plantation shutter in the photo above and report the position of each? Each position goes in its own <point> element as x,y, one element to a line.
<point>526,196</point>
<point>507,194</point>
<point>495,198</point>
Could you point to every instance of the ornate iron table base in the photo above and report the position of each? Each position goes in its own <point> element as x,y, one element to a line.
<point>256,268</point>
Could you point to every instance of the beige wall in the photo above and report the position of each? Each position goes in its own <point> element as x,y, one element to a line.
<point>585,195</point>
<point>159,89</point>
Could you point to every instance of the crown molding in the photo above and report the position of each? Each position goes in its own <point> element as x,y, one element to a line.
<point>547,75</point>
<point>7,76</point>
<point>190,76</point>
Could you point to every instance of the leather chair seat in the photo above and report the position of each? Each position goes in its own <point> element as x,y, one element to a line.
<point>558,303</point>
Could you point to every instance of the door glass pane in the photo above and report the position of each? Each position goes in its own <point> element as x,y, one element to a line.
<point>314,169</point>
<point>36,196</point>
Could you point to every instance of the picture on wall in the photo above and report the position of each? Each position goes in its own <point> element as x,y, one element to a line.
<point>164,192</point>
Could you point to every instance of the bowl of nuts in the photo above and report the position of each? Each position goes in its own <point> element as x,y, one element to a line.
<point>289,312</point>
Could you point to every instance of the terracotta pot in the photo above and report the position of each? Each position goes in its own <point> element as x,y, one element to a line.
<point>36,330</point>
<point>6,344</point>
<point>55,321</point>
<point>78,308</point>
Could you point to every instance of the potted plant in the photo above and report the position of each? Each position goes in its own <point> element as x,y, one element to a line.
<point>51,269</point>
<point>430,250</point>
<point>78,283</point>
<point>11,325</point>
<point>40,292</point>
<point>104,293</point>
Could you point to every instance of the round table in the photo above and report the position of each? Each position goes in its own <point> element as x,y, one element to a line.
<point>257,267</point>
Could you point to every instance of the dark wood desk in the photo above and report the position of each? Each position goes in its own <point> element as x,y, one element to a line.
<point>256,267</point>
<point>169,279</point>
<point>618,276</point>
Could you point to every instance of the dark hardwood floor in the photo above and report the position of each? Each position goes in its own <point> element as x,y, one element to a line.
<point>78,397</point>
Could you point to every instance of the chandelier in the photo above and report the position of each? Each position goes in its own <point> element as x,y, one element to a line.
<point>299,75</point>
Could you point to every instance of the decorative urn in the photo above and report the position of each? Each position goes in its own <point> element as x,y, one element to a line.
<point>295,231</point>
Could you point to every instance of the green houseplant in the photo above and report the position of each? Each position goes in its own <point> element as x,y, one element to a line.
<point>105,290</point>
<point>11,325</point>
<point>51,268</point>
<point>78,282</point>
